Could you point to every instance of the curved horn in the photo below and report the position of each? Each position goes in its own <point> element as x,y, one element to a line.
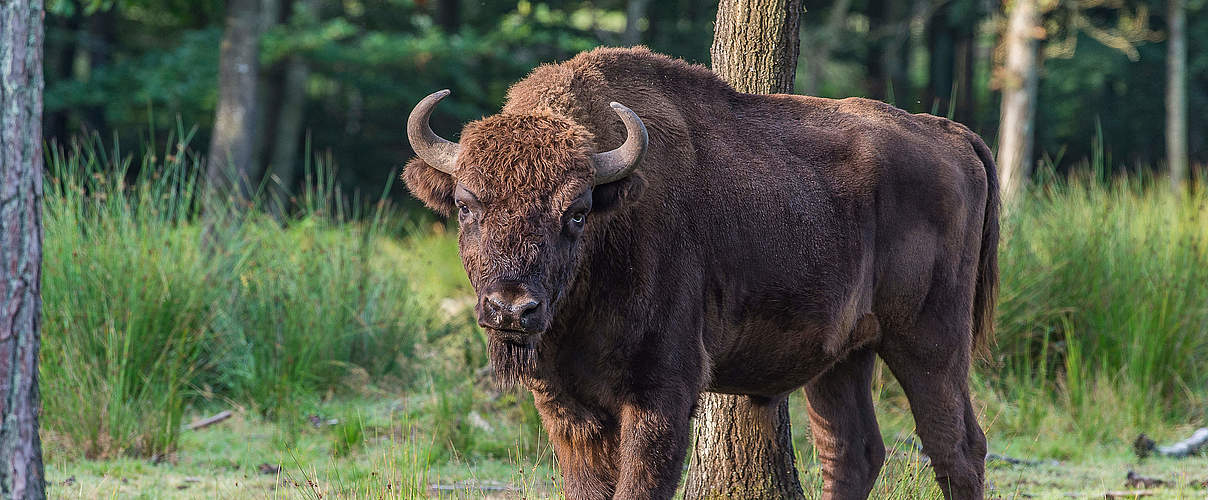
<point>437,152</point>
<point>617,164</point>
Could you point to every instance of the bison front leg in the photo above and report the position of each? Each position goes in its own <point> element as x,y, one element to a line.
<point>655,428</point>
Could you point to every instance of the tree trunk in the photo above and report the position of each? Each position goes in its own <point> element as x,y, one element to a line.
<point>448,15</point>
<point>293,106</point>
<point>755,44</point>
<point>819,56</point>
<point>269,79</point>
<point>635,10</point>
<point>1018,79</point>
<point>744,447</point>
<point>1176,95</point>
<point>233,143</point>
<point>21,473</point>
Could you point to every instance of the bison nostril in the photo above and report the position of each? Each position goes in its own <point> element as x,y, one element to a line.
<point>494,304</point>
<point>525,309</point>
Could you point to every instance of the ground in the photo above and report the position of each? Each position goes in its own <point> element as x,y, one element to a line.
<point>391,452</point>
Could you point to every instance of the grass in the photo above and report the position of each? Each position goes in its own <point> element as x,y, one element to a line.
<point>350,311</point>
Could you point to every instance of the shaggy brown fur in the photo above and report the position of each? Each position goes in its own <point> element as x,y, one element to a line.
<point>765,243</point>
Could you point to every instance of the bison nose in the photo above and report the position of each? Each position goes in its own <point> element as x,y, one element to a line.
<point>510,311</point>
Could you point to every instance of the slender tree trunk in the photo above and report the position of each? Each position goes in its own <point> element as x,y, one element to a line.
<point>293,107</point>
<point>635,10</point>
<point>100,33</point>
<point>941,48</point>
<point>21,473</point>
<point>233,143</point>
<point>1176,95</point>
<point>1018,79</point>
<point>269,80</point>
<point>819,55</point>
<point>744,447</point>
<point>448,15</point>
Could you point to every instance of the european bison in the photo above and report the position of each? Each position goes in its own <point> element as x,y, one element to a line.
<point>711,240</point>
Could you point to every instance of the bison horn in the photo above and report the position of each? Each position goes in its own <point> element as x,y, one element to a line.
<point>437,152</point>
<point>616,164</point>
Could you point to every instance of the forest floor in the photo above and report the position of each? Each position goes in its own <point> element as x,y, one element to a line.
<point>389,454</point>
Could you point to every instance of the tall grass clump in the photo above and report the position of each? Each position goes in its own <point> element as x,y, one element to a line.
<point>127,301</point>
<point>142,320</point>
<point>1103,309</point>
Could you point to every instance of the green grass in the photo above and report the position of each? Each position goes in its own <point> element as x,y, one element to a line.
<point>350,311</point>
<point>142,321</point>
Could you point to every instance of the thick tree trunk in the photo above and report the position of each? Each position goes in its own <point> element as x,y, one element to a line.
<point>744,448</point>
<point>1176,95</point>
<point>233,143</point>
<point>755,44</point>
<point>1018,79</point>
<point>293,106</point>
<point>21,473</point>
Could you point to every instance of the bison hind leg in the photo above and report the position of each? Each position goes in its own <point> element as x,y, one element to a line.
<point>844,425</point>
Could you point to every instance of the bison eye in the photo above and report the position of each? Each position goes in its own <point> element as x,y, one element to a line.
<point>578,217</point>
<point>465,210</point>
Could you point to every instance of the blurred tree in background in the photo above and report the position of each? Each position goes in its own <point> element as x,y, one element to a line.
<point>338,76</point>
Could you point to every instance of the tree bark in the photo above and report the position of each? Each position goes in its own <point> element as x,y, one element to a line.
<point>233,143</point>
<point>1176,95</point>
<point>21,472</point>
<point>744,447</point>
<point>1018,79</point>
<point>756,43</point>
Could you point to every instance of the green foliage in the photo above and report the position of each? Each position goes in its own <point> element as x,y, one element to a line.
<point>141,321</point>
<point>1103,308</point>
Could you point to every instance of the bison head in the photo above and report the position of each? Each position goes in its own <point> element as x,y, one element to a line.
<point>523,187</point>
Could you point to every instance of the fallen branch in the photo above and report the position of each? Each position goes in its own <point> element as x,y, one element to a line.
<point>1144,446</point>
<point>1134,480</point>
<point>474,487</point>
<point>1128,494</point>
<point>990,457</point>
<point>206,422</point>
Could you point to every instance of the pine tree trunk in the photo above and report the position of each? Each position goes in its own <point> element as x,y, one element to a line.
<point>21,472</point>
<point>233,143</point>
<point>744,447</point>
<point>1018,79</point>
<point>1176,95</point>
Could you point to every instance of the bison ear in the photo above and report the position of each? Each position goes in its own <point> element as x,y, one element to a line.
<point>608,197</point>
<point>431,186</point>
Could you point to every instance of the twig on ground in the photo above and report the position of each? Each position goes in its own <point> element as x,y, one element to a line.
<point>1144,446</point>
<point>1134,480</point>
<point>990,457</point>
<point>1128,494</point>
<point>206,422</point>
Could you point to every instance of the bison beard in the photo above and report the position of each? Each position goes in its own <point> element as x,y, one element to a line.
<point>513,359</point>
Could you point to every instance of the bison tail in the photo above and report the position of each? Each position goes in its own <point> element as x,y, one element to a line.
<point>986,292</point>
